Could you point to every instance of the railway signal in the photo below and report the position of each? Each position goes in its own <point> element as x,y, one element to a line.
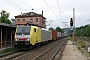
<point>71,21</point>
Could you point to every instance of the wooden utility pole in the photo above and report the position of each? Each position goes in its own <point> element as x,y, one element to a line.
<point>11,36</point>
<point>1,36</point>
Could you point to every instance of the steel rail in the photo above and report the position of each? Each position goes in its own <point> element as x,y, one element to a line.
<point>45,52</point>
<point>10,58</point>
<point>58,50</point>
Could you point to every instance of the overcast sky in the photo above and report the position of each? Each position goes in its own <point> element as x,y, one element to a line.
<point>55,11</point>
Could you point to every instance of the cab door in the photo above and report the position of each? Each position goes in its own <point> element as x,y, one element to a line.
<point>33,36</point>
<point>38,35</point>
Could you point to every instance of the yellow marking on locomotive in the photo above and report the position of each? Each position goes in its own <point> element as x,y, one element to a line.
<point>35,35</point>
<point>15,34</point>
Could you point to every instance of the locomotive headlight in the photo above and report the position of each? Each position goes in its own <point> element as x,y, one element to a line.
<point>27,39</point>
<point>16,39</point>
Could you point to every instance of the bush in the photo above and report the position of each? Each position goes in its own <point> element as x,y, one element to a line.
<point>83,45</point>
<point>78,48</point>
<point>80,44</point>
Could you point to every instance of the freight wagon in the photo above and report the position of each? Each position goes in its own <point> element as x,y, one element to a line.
<point>31,36</point>
<point>58,35</point>
<point>54,34</point>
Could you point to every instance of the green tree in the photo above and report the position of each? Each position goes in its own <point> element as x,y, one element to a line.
<point>83,31</point>
<point>51,28</point>
<point>4,17</point>
<point>59,29</point>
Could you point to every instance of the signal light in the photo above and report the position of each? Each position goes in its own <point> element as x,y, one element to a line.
<point>71,22</point>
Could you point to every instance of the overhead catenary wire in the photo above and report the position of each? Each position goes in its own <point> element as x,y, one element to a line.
<point>83,13</point>
<point>59,9</point>
<point>50,22</point>
<point>14,4</point>
<point>26,4</point>
<point>51,9</point>
<point>60,13</point>
<point>18,5</point>
<point>53,12</point>
<point>52,5</point>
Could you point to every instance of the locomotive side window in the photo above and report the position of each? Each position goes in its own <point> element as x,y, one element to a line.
<point>34,29</point>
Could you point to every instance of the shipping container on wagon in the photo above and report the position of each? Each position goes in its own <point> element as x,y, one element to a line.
<point>54,34</point>
<point>65,34</point>
<point>58,35</point>
<point>62,35</point>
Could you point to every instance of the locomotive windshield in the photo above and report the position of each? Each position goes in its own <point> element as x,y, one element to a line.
<point>23,30</point>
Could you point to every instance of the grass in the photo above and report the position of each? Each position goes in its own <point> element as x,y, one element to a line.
<point>82,43</point>
<point>78,48</point>
<point>7,50</point>
<point>70,38</point>
<point>81,46</point>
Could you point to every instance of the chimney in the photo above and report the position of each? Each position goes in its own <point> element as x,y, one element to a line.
<point>42,12</point>
<point>21,13</point>
<point>42,19</point>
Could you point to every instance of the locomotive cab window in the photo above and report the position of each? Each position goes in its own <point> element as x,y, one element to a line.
<point>23,30</point>
<point>34,29</point>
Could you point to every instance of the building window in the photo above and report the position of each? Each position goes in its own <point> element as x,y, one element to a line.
<point>28,21</point>
<point>18,20</point>
<point>36,19</point>
<point>31,20</point>
<point>23,20</point>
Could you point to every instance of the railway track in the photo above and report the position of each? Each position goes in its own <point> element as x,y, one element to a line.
<point>33,55</point>
<point>12,55</point>
<point>58,54</point>
<point>15,54</point>
<point>9,53</point>
<point>51,52</point>
<point>42,51</point>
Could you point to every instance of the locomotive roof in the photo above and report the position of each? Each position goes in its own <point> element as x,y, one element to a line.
<point>24,26</point>
<point>45,29</point>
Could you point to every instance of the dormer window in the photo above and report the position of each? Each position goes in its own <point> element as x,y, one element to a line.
<point>32,13</point>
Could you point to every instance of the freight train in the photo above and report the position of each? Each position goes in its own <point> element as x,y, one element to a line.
<point>31,36</point>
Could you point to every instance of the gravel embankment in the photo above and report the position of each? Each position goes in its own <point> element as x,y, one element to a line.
<point>72,53</point>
